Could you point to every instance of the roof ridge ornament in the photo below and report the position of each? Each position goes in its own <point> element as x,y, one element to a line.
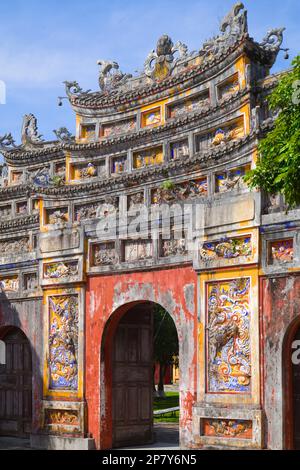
<point>7,142</point>
<point>159,64</point>
<point>273,40</point>
<point>30,135</point>
<point>64,135</point>
<point>73,88</point>
<point>110,75</point>
<point>233,26</point>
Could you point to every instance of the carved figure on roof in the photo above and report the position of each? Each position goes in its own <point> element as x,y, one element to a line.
<point>63,134</point>
<point>73,88</point>
<point>160,63</point>
<point>110,75</point>
<point>30,134</point>
<point>273,39</point>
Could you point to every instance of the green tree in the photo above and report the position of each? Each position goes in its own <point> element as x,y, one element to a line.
<point>165,343</point>
<point>278,165</point>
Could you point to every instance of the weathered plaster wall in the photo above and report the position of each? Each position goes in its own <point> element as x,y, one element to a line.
<point>280,307</point>
<point>27,316</point>
<point>175,290</point>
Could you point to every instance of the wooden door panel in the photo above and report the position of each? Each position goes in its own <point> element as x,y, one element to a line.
<point>16,386</point>
<point>132,379</point>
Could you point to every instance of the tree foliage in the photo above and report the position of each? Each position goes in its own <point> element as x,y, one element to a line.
<point>166,347</point>
<point>278,165</point>
<point>165,337</point>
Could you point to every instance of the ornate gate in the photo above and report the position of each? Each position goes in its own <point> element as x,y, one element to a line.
<point>132,368</point>
<point>16,386</point>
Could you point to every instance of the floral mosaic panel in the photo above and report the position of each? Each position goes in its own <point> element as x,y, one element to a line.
<point>63,342</point>
<point>228,336</point>
<point>226,248</point>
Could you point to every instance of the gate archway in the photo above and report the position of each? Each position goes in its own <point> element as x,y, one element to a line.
<point>127,351</point>
<point>15,384</point>
<point>291,377</point>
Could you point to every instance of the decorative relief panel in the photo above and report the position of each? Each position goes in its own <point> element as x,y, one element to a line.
<point>61,417</point>
<point>15,246</point>
<point>179,192</point>
<point>9,284</point>
<point>231,179</point>
<point>88,131</point>
<point>30,281</point>
<point>281,251</point>
<point>63,342</point>
<point>220,136</point>
<point>84,171</point>
<point>228,336</point>
<point>116,128</point>
<point>173,247</point>
<point>22,208</point>
<point>135,201</point>
<point>179,149</point>
<point>151,118</point>
<point>5,212</point>
<point>228,133</point>
<point>137,250</point>
<point>104,254</point>
<point>189,105</point>
<point>144,158</point>
<point>119,164</point>
<point>57,215</point>
<point>61,270</point>
<point>226,248</point>
<point>228,428</point>
<point>96,209</point>
<point>229,87</point>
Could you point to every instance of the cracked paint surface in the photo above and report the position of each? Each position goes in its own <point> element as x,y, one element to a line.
<point>107,299</point>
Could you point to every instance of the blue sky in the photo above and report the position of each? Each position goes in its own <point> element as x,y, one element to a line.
<point>46,42</point>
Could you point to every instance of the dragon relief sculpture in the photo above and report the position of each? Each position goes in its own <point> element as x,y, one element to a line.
<point>159,64</point>
<point>110,75</point>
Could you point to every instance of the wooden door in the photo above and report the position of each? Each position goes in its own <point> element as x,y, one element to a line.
<point>16,386</point>
<point>132,368</point>
<point>296,400</point>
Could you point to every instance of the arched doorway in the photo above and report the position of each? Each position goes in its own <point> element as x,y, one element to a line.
<point>15,384</point>
<point>129,380</point>
<point>292,387</point>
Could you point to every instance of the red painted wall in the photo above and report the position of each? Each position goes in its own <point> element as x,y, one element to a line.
<point>174,289</point>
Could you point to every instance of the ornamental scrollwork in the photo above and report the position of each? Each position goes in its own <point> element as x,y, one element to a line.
<point>160,63</point>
